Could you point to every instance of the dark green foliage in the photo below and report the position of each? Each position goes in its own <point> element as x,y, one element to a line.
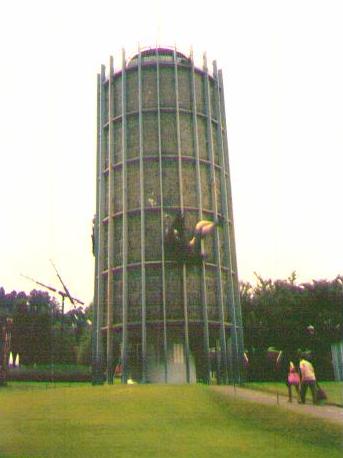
<point>37,333</point>
<point>277,313</point>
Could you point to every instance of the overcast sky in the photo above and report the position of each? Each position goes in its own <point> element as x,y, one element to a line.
<point>283,74</point>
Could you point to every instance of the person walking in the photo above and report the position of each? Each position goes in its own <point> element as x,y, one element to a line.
<point>308,379</point>
<point>293,379</point>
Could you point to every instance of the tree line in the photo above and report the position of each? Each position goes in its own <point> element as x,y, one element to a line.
<point>281,315</point>
<point>41,334</point>
<point>278,315</point>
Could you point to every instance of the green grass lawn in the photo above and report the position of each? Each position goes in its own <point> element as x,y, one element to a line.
<point>334,390</point>
<point>75,420</point>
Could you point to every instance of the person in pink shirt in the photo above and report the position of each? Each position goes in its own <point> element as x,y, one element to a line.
<point>293,379</point>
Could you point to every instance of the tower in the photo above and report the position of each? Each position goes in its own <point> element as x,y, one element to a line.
<point>163,309</point>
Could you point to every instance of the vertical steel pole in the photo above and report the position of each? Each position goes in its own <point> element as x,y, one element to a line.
<point>125,337</point>
<point>184,272</point>
<point>234,275</point>
<point>200,213</point>
<point>142,202</point>
<point>230,299</point>
<point>99,259</point>
<point>165,341</point>
<point>217,245</point>
<point>95,355</point>
<point>110,241</point>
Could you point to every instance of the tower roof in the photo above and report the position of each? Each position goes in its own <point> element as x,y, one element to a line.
<point>165,54</point>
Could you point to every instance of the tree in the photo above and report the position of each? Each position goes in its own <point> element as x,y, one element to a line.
<point>277,314</point>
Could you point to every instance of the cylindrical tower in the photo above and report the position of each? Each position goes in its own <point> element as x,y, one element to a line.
<point>166,304</point>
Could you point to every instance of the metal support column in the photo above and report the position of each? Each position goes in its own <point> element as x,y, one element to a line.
<point>142,203</point>
<point>217,245</point>
<point>97,347</point>
<point>184,271</point>
<point>233,259</point>
<point>125,337</point>
<point>230,299</point>
<point>165,341</point>
<point>200,213</point>
<point>110,241</point>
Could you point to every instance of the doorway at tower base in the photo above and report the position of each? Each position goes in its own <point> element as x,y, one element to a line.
<point>170,366</point>
<point>176,363</point>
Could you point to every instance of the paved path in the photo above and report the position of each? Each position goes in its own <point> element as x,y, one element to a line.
<point>332,413</point>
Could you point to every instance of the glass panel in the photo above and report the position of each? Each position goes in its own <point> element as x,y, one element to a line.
<point>106,195</point>
<point>194,293</point>
<point>191,218</point>
<point>152,236</point>
<point>186,134</point>
<point>133,191</point>
<point>150,134</point>
<point>215,143</point>
<point>202,138</point>
<point>174,292</point>
<point>167,87</point>
<point>117,141</point>
<point>223,253</point>
<point>151,184</point>
<point>209,246</point>
<point>226,292</point>
<point>213,96</point>
<point>105,246</point>
<point>189,184</point>
<point>134,238</point>
<point>105,108</point>
<point>104,297</point>
<point>199,92</point>
<point>117,95</point>
<point>211,287</point>
<point>170,183</point>
<point>184,88</point>
<point>154,306</point>
<point>132,91</point>
<point>135,295</point>
<point>118,189</point>
<point>132,137</point>
<point>206,192</point>
<point>168,133</point>
<point>117,298</point>
<point>218,191</point>
<point>118,241</point>
<point>105,147</point>
<point>149,87</point>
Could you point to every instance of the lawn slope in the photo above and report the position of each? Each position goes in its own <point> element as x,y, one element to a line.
<point>153,421</point>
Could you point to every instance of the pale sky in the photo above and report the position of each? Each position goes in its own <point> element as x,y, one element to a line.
<point>283,79</point>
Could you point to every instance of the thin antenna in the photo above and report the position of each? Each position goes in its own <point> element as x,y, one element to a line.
<point>64,286</point>
<point>51,288</point>
<point>158,23</point>
<point>42,284</point>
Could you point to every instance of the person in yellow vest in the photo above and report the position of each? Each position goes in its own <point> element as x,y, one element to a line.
<point>308,379</point>
<point>176,242</point>
<point>202,228</point>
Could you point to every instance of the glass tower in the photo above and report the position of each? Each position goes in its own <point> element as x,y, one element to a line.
<point>166,305</point>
